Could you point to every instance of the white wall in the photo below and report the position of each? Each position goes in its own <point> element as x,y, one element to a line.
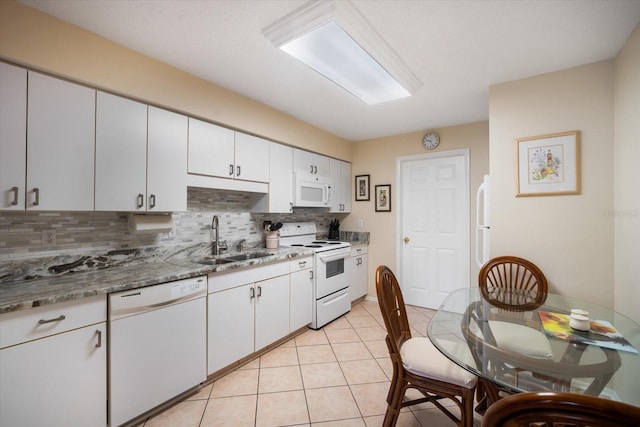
<point>626,213</point>
<point>571,238</point>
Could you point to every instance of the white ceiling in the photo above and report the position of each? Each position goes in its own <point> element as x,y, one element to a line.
<point>456,48</point>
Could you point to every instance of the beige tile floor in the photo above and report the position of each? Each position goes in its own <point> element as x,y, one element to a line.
<point>337,376</point>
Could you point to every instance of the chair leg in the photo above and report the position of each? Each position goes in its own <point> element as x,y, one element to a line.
<point>466,417</point>
<point>393,409</point>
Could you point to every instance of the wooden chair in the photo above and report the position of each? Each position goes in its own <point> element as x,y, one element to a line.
<point>513,284</point>
<point>417,364</point>
<point>500,276</point>
<point>550,409</point>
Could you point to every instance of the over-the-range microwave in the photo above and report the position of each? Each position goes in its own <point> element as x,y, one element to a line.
<point>311,192</point>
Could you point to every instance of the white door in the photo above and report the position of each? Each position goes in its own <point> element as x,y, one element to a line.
<point>272,310</point>
<point>280,178</point>
<point>210,149</point>
<point>434,226</point>
<point>251,158</point>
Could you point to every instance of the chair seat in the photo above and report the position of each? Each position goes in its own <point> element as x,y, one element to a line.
<point>521,339</point>
<point>421,357</point>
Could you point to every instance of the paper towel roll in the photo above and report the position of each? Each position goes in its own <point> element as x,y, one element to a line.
<point>139,224</point>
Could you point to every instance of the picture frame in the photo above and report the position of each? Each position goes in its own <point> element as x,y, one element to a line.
<point>383,198</point>
<point>548,165</point>
<point>362,188</point>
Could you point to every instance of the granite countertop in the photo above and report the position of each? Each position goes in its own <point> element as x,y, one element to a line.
<point>35,292</point>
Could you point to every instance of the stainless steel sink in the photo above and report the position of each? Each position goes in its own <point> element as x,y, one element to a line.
<point>214,261</point>
<point>247,256</point>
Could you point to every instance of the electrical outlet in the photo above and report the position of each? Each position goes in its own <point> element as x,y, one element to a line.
<point>360,223</point>
<point>48,238</point>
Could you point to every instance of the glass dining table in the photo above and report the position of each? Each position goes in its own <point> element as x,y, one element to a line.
<point>534,349</point>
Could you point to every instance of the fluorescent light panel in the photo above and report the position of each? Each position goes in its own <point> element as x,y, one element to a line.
<point>316,35</point>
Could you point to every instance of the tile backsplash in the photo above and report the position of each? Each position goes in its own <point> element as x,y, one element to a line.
<point>95,232</point>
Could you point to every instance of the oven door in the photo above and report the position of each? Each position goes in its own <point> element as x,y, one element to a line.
<point>332,271</point>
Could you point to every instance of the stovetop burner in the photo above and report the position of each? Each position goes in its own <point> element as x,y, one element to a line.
<point>304,235</point>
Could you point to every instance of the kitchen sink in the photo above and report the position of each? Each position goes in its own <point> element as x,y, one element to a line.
<point>247,256</point>
<point>214,261</point>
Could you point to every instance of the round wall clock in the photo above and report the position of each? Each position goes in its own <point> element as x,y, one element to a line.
<point>431,140</point>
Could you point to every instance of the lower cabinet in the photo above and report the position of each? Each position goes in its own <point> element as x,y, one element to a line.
<point>301,282</point>
<point>248,310</point>
<point>359,272</point>
<point>59,379</point>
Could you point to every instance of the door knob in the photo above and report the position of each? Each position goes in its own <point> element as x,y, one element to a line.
<point>406,240</point>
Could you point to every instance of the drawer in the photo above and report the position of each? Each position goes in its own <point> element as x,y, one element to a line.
<point>231,279</point>
<point>301,264</point>
<point>27,325</point>
<point>359,250</point>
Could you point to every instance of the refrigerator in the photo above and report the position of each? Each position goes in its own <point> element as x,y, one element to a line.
<point>483,223</point>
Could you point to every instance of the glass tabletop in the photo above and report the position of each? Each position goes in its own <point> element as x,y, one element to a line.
<point>535,349</point>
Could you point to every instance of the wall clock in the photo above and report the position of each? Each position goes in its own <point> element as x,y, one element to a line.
<point>431,140</point>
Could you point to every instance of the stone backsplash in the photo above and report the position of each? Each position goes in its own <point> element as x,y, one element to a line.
<point>99,232</point>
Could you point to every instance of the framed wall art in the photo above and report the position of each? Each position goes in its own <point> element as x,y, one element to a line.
<point>362,188</point>
<point>383,198</point>
<point>548,165</point>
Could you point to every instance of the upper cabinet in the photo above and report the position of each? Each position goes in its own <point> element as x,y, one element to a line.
<point>151,172</point>
<point>279,199</point>
<point>166,161</point>
<point>60,145</point>
<point>13,136</point>
<point>311,165</point>
<point>220,152</point>
<point>341,187</point>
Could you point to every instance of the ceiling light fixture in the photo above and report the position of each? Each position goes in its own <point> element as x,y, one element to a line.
<point>334,39</point>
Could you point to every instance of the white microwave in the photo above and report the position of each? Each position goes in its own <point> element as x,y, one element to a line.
<point>311,192</point>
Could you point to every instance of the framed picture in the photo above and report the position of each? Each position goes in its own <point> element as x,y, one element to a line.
<point>383,198</point>
<point>362,188</point>
<point>548,165</point>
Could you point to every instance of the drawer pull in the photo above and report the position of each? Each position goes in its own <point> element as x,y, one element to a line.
<point>57,319</point>
<point>99,334</point>
<point>15,196</point>
<point>302,264</point>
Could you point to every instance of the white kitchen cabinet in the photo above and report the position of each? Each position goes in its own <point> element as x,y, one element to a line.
<point>13,136</point>
<point>341,186</point>
<point>310,164</point>
<point>301,283</point>
<point>166,161</point>
<point>121,154</point>
<point>359,271</point>
<point>54,373</point>
<point>60,144</point>
<point>248,310</point>
<point>220,152</point>
<point>279,199</point>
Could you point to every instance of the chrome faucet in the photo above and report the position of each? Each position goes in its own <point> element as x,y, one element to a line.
<point>241,245</point>
<point>217,246</point>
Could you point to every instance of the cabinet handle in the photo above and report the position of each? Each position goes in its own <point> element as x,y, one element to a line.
<point>311,274</point>
<point>259,291</point>
<point>315,169</point>
<point>290,206</point>
<point>140,200</point>
<point>37,193</point>
<point>230,170</point>
<point>57,319</point>
<point>237,170</point>
<point>99,334</point>
<point>152,201</point>
<point>252,293</point>
<point>311,168</point>
<point>15,195</point>
<point>302,264</point>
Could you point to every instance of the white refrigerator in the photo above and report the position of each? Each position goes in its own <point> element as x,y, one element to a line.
<point>483,223</point>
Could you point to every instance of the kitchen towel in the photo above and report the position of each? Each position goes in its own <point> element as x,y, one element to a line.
<point>145,224</point>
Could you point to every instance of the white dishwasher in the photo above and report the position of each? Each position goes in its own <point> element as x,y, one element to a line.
<point>157,345</point>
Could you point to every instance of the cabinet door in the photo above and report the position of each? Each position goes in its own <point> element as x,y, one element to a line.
<point>211,149</point>
<point>363,275</point>
<point>13,136</point>
<point>60,145</point>
<point>231,329</point>
<point>272,310</point>
<point>251,158</point>
<point>121,154</point>
<point>280,178</point>
<point>301,307</point>
<point>345,186</point>
<point>359,276</point>
<point>166,161</point>
<point>60,380</point>
<point>310,163</point>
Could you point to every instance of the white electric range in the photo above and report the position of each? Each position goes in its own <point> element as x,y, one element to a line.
<point>331,271</point>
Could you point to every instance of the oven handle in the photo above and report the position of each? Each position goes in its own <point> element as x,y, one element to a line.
<point>334,255</point>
